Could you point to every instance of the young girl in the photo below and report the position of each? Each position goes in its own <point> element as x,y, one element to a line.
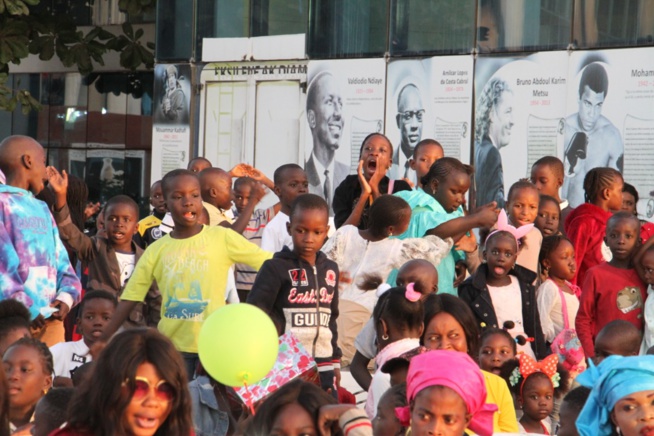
<point>398,317</point>
<point>354,196</point>
<point>557,259</point>
<point>140,388</point>
<point>535,385</point>
<point>447,394</point>
<point>14,323</point>
<point>385,422</point>
<point>359,253</point>
<point>439,210</point>
<point>502,291</point>
<point>496,346</point>
<point>549,215</point>
<point>644,264</point>
<point>586,224</point>
<point>302,408</point>
<point>28,367</point>
<point>522,210</point>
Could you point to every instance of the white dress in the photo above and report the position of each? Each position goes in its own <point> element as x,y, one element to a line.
<point>550,309</point>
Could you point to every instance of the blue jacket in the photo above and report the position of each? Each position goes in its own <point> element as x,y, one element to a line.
<point>208,419</point>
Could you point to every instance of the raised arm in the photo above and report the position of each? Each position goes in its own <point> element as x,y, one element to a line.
<point>484,216</point>
<point>366,196</point>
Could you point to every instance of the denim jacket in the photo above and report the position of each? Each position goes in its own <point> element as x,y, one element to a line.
<point>208,419</point>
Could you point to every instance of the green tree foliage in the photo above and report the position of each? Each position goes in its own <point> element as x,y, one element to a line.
<point>24,32</point>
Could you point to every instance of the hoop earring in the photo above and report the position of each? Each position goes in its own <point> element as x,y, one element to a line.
<point>385,337</point>
<point>617,429</point>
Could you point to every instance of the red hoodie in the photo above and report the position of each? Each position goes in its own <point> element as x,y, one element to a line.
<point>585,226</point>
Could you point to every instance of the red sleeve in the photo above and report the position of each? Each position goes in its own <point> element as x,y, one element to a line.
<point>585,320</point>
<point>578,233</point>
<point>646,232</point>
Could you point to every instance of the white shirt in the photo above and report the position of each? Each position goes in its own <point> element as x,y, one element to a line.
<point>550,309</point>
<point>126,262</point>
<point>68,356</point>
<point>507,302</point>
<point>275,235</point>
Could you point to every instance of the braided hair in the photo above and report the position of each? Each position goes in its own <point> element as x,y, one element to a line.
<point>549,244</point>
<point>441,169</point>
<point>597,180</point>
<point>41,348</point>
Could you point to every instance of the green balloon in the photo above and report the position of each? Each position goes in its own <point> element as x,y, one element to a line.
<point>238,344</point>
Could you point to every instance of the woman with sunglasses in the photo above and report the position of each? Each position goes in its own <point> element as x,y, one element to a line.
<point>138,388</point>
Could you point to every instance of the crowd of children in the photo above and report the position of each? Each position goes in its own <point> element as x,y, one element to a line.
<point>532,319</point>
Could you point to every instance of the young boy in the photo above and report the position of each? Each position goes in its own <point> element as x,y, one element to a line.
<point>243,191</point>
<point>35,268</point>
<point>190,265</point>
<point>571,407</point>
<point>547,174</point>
<point>50,411</point>
<point>619,337</point>
<point>299,288</point>
<point>290,182</point>
<point>612,290</point>
<point>149,226</point>
<point>95,312</point>
<point>111,258</point>
<point>425,153</point>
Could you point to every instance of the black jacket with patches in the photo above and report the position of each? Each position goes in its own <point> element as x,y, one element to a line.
<point>474,291</point>
<point>285,288</point>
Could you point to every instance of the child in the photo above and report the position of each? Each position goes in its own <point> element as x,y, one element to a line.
<point>496,347</point>
<point>295,284</point>
<point>244,189</point>
<point>14,323</point>
<point>557,260</point>
<point>111,259</point>
<point>547,174</point>
<point>139,388</point>
<point>28,367</point>
<point>95,311</point>
<point>445,388</point>
<point>50,412</point>
<point>197,164</point>
<point>522,209</point>
<point>354,196</point>
<point>571,406</point>
<point>424,276</point>
<point>502,291</point>
<point>35,269</point>
<point>149,226</point>
<point>629,204</point>
<point>549,216</point>
<point>425,153</point>
<point>586,225</point>
<point>612,290</point>
<point>438,211</point>
<point>385,422</point>
<point>644,263</point>
<point>535,385</point>
<point>190,266</point>
<point>398,318</point>
<point>290,182</point>
<point>617,338</point>
<point>361,252</point>
<point>217,196</point>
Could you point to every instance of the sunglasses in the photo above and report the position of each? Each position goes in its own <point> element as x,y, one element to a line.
<point>163,390</point>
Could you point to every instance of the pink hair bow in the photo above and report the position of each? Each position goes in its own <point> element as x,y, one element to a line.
<point>411,294</point>
<point>504,226</point>
<point>403,414</point>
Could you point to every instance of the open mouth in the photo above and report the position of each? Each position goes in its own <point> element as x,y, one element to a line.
<point>499,270</point>
<point>146,422</point>
<point>189,215</point>
<point>647,431</point>
<point>335,128</point>
<point>372,165</point>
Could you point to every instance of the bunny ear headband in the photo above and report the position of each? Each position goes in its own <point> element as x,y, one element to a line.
<point>504,226</point>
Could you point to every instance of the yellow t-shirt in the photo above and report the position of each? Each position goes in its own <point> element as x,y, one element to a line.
<point>192,275</point>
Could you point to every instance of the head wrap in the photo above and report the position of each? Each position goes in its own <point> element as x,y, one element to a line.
<point>613,379</point>
<point>458,372</point>
<point>504,226</point>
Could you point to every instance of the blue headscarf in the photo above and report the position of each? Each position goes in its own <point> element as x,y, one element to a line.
<point>614,378</point>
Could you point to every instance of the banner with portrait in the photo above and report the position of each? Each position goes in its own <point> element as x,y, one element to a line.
<point>344,104</point>
<point>429,99</point>
<point>520,106</point>
<point>610,121</point>
<point>171,133</point>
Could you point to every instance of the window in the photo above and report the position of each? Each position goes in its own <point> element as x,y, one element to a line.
<point>603,23</point>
